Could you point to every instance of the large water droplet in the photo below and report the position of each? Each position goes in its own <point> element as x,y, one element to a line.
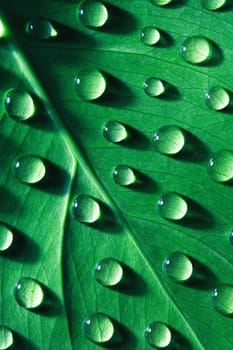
<point>115,132</point>
<point>99,328</point>
<point>222,299</point>
<point>217,98</point>
<point>124,175</point>
<point>29,293</point>
<point>39,28</point>
<point>93,13</point>
<point>213,5</point>
<point>108,272</point>
<point>196,49</point>
<point>161,2</point>
<point>6,338</point>
<point>220,166</point>
<point>150,36</point>
<point>19,104</point>
<point>158,335</point>
<point>6,237</point>
<point>169,140</point>
<point>178,267</point>
<point>28,169</point>
<point>86,209</point>
<point>172,206</point>
<point>90,84</point>
<point>154,87</point>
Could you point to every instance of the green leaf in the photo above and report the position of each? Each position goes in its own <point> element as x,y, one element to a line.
<point>50,245</point>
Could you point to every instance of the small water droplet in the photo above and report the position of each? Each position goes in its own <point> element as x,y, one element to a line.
<point>6,338</point>
<point>231,237</point>
<point>220,166</point>
<point>90,84</point>
<point>28,169</point>
<point>108,272</point>
<point>154,87</point>
<point>222,299</point>
<point>196,49</point>
<point>172,206</point>
<point>161,2</point>
<point>93,13</point>
<point>29,293</point>
<point>217,98</point>
<point>150,36</point>
<point>39,28</point>
<point>19,104</point>
<point>124,175</point>
<point>6,237</point>
<point>99,328</point>
<point>86,209</point>
<point>158,335</point>
<point>115,132</point>
<point>178,267</point>
<point>213,5</point>
<point>169,140</point>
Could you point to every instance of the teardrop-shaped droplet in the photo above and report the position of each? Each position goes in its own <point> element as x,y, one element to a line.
<point>108,272</point>
<point>217,98</point>
<point>29,169</point>
<point>90,84</point>
<point>115,131</point>
<point>6,237</point>
<point>220,166</point>
<point>213,5</point>
<point>169,140</point>
<point>39,28</point>
<point>150,36</point>
<point>6,338</point>
<point>29,293</point>
<point>158,335</point>
<point>222,299</point>
<point>99,328</point>
<point>178,267</point>
<point>86,209</point>
<point>93,13</point>
<point>154,87</point>
<point>172,206</point>
<point>19,104</point>
<point>124,175</point>
<point>161,2</point>
<point>196,49</point>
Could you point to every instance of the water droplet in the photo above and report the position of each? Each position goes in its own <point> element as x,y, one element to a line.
<point>154,87</point>
<point>124,175</point>
<point>169,140</point>
<point>99,328</point>
<point>3,30</point>
<point>90,84</point>
<point>29,293</point>
<point>220,166</point>
<point>28,169</point>
<point>39,28</point>
<point>150,36</point>
<point>161,2</point>
<point>115,132</point>
<point>6,237</point>
<point>19,104</point>
<point>93,13</point>
<point>231,237</point>
<point>6,338</point>
<point>158,335</point>
<point>172,206</point>
<point>217,98</point>
<point>178,267</point>
<point>86,209</point>
<point>196,49</point>
<point>213,5</point>
<point>222,299</point>
<point>108,272</point>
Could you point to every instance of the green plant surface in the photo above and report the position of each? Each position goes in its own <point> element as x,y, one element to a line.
<point>60,252</point>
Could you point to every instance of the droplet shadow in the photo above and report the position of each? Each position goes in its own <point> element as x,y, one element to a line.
<point>202,278</point>
<point>179,341</point>
<point>165,41</point>
<point>23,343</point>
<point>136,139</point>
<point>41,119</point>
<point>51,306</point>
<point>123,336</point>
<point>144,183</point>
<point>171,93</point>
<point>197,217</point>
<point>217,55</point>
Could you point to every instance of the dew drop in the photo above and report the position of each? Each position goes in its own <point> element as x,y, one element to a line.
<point>154,87</point>
<point>213,5</point>
<point>124,175</point>
<point>99,328</point>
<point>28,169</point>
<point>161,2</point>
<point>169,140</point>
<point>222,299</point>
<point>29,293</point>
<point>220,166</point>
<point>158,335</point>
<point>150,36</point>
<point>108,272</point>
<point>178,267</point>
<point>93,13</point>
<point>90,84</point>
<point>6,237</point>
<point>231,237</point>
<point>19,104</point>
<point>217,98</point>
<point>172,206</point>
<point>115,132</point>
<point>86,209</point>
<point>39,28</point>
<point>196,49</point>
<point>6,338</point>
<point>3,30</point>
